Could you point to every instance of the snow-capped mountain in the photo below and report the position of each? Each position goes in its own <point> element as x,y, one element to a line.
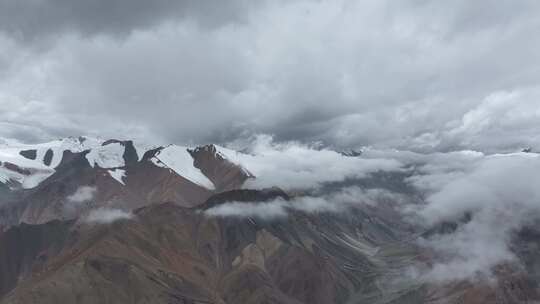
<point>128,175</point>
<point>26,166</point>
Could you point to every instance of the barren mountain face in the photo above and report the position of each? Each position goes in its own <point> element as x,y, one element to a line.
<point>91,221</point>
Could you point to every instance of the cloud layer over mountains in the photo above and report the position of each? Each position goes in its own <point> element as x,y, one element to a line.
<point>489,197</point>
<point>414,75</point>
<point>501,195</point>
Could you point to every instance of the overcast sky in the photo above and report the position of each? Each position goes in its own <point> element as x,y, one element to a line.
<point>418,75</point>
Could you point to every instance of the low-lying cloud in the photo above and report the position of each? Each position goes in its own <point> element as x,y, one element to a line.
<point>78,200</point>
<point>338,201</point>
<point>292,165</point>
<point>500,195</point>
<point>496,194</point>
<point>265,210</point>
<point>106,216</point>
<point>82,194</point>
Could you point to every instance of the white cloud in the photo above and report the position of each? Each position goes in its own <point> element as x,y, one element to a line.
<point>82,197</point>
<point>265,210</point>
<point>501,194</point>
<point>410,75</point>
<point>292,165</point>
<point>338,201</point>
<point>82,194</point>
<point>106,216</point>
<point>510,116</point>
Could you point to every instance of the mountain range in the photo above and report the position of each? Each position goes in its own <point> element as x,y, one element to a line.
<point>84,220</point>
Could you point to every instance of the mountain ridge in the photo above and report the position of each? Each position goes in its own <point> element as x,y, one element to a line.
<point>114,222</point>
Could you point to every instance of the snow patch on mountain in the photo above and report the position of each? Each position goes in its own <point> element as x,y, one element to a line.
<point>25,181</point>
<point>178,159</point>
<point>118,174</point>
<point>15,168</point>
<point>108,156</point>
<point>235,157</point>
<point>142,148</point>
<point>28,172</point>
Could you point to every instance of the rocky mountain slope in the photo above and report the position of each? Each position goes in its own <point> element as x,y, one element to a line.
<point>91,221</point>
<point>168,253</point>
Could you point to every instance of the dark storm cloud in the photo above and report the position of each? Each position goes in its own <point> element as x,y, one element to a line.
<point>33,19</point>
<point>420,75</point>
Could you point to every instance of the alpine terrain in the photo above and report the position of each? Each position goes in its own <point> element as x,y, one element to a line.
<point>110,221</point>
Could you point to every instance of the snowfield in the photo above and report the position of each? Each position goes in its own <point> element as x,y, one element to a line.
<point>178,159</point>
